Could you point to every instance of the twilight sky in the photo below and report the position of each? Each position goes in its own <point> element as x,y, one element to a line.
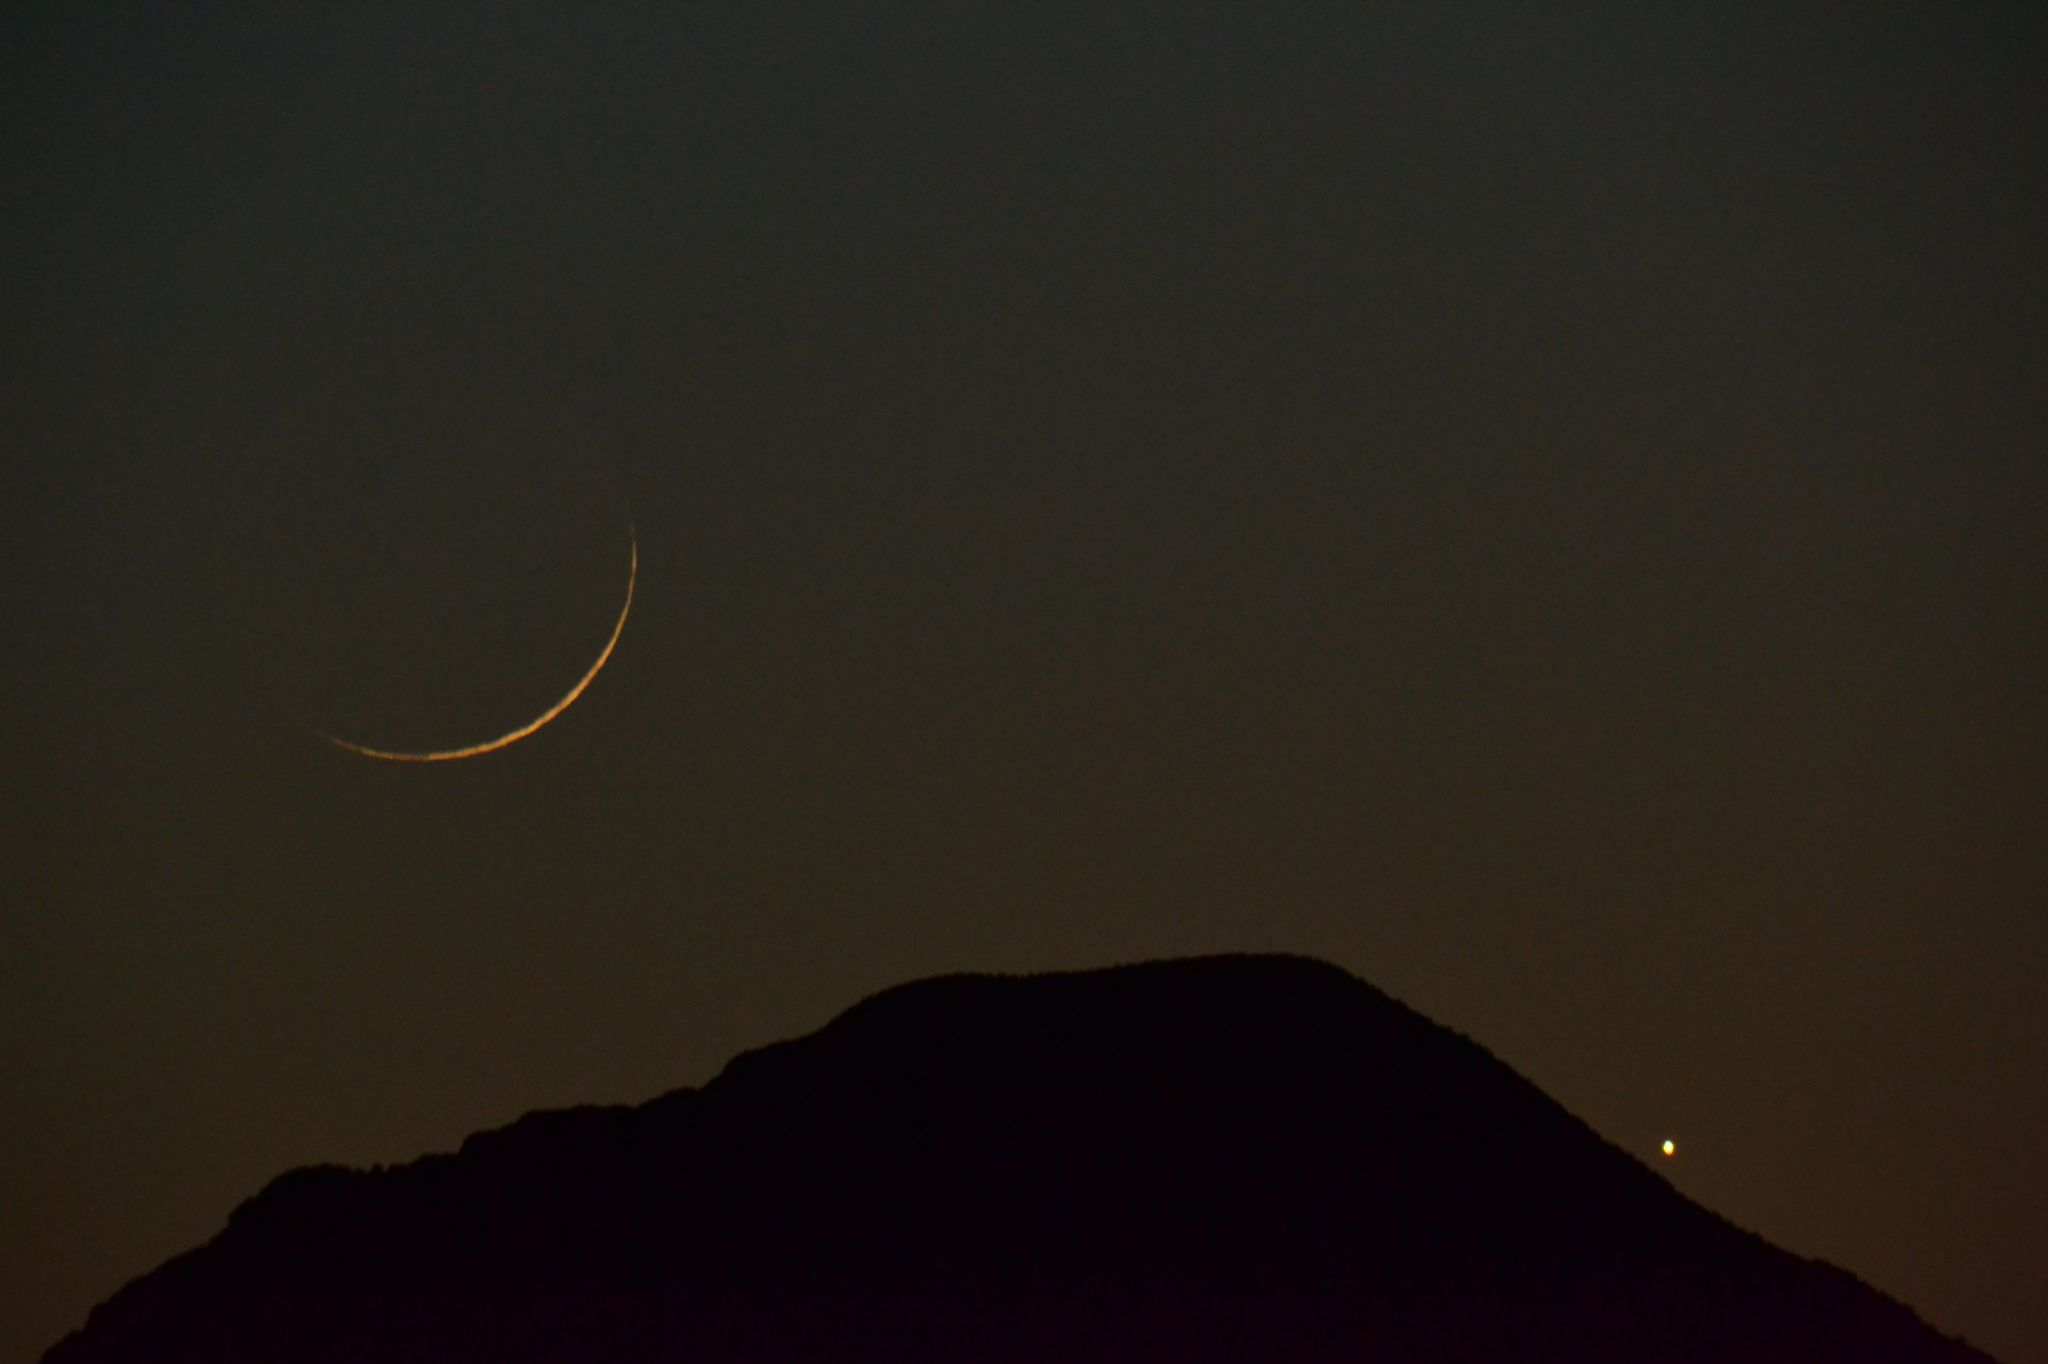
<point>1542,506</point>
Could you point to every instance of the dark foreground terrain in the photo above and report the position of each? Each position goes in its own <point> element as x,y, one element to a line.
<point>1245,1159</point>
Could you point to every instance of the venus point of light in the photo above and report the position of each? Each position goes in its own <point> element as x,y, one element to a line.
<point>533,725</point>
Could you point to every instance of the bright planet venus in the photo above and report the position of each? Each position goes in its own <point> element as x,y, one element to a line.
<point>538,722</point>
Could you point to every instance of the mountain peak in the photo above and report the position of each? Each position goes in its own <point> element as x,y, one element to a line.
<point>1222,1158</point>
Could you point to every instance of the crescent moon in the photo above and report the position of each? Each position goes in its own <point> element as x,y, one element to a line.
<point>532,726</point>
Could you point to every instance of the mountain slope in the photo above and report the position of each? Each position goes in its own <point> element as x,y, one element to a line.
<point>1238,1158</point>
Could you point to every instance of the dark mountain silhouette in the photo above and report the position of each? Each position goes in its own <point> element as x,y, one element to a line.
<point>1242,1158</point>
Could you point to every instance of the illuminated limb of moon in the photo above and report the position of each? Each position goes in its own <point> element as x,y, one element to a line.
<point>531,726</point>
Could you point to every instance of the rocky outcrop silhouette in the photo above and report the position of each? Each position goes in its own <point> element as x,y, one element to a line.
<point>1223,1159</point>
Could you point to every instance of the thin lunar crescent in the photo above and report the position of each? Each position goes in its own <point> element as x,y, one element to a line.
<point>503,740</point>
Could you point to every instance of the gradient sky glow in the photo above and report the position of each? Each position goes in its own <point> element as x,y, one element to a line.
<point>1540,505</point>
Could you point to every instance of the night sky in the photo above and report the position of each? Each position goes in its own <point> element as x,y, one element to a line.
<point>1546,508</point>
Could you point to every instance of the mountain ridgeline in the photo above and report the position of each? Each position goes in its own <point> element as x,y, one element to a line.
<point>1256,1159</point>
